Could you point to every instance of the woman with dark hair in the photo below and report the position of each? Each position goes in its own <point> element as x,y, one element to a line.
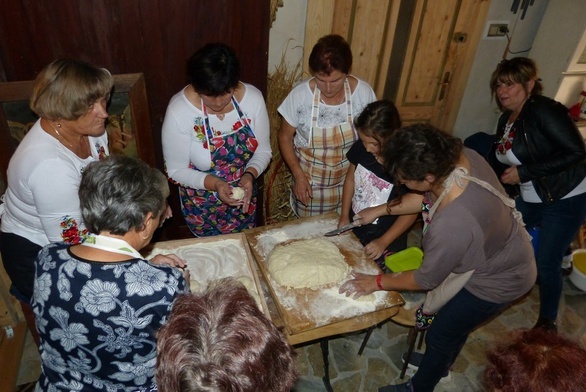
<point>367,183</point>
<point>219,340</point>
<point>536,361</point>
<point>99,304</point>
<point>41,202</point>
<point>216,143</point>
<point>540,150</point>
<point>317,128</point>
<point>475,246</point>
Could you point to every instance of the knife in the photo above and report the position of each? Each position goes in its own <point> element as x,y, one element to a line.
<point>341,230</point>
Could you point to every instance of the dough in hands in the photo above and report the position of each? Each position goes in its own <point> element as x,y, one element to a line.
<point>238,193</point>
<point>308,263</point>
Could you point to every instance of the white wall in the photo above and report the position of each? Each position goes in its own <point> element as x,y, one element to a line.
<point>287,34</point>
<point>555,44</point>
<point>478,112</point>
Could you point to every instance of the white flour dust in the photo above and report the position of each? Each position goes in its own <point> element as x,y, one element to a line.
<point>211,261</point>
<point>323,305</point>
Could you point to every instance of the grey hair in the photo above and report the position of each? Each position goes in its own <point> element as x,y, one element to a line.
<point>117,192</point>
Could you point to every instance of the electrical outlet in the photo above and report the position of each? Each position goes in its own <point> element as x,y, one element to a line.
<point>497,30</point>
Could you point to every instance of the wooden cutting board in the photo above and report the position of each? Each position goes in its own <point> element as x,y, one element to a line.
<point>213,258</point>
<point>306,309</point>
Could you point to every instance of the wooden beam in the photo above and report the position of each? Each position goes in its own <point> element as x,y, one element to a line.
<point>11,348</point>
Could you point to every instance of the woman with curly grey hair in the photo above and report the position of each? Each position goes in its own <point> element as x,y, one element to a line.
<point>99,304</point>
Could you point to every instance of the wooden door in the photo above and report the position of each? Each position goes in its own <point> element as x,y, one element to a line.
<point>437,60</point>
<point>417,53</point>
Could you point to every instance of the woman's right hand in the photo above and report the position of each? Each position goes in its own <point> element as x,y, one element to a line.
<point>511,176</point>
<point>224,191</point>
<point>302,189</point>
<point>370,214</point>
<point>344,220</point>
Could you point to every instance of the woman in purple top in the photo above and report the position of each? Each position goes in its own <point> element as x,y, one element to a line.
<point>470,226</point>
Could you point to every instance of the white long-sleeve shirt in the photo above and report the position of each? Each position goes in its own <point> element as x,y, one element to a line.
<point>182,146</point>
<point>43,181</point>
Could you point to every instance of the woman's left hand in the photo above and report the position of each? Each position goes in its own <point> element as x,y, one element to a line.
<point>511,176</point>
<point>247,183</point>
<point>169,259</point>
<point>361,285</point>
<point>374,249</point>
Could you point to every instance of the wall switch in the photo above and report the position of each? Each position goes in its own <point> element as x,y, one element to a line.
<point>497,30</point>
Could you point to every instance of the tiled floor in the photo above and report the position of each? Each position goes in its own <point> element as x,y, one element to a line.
<point>381,363</point>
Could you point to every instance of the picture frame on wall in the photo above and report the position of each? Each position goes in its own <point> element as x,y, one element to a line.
<point>128,125</point>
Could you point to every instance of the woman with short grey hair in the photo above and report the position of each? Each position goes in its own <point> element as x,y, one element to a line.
<point>118,196</point>
<point>99,304</point>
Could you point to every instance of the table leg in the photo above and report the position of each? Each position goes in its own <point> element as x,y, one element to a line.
<point>325,350</point>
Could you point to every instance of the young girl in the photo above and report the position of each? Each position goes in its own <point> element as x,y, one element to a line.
<point>367,184</point>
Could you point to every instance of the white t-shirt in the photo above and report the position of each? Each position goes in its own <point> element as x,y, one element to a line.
<point>296,109</point>
<point>182,146</point>
<point>43,181</point>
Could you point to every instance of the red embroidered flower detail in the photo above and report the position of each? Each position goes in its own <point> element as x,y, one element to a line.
<point>70,231</point>
<point>506,142</point>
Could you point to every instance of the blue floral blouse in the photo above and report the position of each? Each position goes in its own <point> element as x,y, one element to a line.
<point>97,321</point>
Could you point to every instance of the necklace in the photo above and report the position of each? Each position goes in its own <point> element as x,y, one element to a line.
<point>83,148</point>
<point>61,136</point>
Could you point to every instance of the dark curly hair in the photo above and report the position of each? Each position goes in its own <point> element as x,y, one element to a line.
<point>417,150</point>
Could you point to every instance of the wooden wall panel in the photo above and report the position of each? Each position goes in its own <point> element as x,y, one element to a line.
<point>154,37</point>
<point>367,38</point>
<point>319,22</point>
<point>367,25</point>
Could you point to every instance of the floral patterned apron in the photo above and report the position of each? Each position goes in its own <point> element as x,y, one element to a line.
<point>325,160</point>
<point>204,212</point>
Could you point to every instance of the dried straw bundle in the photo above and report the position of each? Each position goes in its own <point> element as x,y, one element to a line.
<point>277,177</point>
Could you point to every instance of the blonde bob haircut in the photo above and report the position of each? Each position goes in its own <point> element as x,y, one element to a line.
<point>67,89</point>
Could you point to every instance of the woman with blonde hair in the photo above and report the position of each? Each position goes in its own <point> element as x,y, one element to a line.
<point>41,202</point>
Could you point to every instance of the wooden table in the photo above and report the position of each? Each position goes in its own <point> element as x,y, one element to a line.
<point>320,333</point>
<point>298,332</point>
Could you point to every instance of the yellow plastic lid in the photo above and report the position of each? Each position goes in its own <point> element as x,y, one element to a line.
<point>405,260</point>
<point>579,259</point>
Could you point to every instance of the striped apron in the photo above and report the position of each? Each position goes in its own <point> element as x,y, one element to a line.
<point>324,160</point>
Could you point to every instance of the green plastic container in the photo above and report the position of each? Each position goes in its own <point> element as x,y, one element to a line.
<point>405,260</point>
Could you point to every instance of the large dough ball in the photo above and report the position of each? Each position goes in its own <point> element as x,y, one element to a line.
<point>307,263</point>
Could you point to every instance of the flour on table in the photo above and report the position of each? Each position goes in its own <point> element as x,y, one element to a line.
<point>210,261</point>
<point>307,263</point>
